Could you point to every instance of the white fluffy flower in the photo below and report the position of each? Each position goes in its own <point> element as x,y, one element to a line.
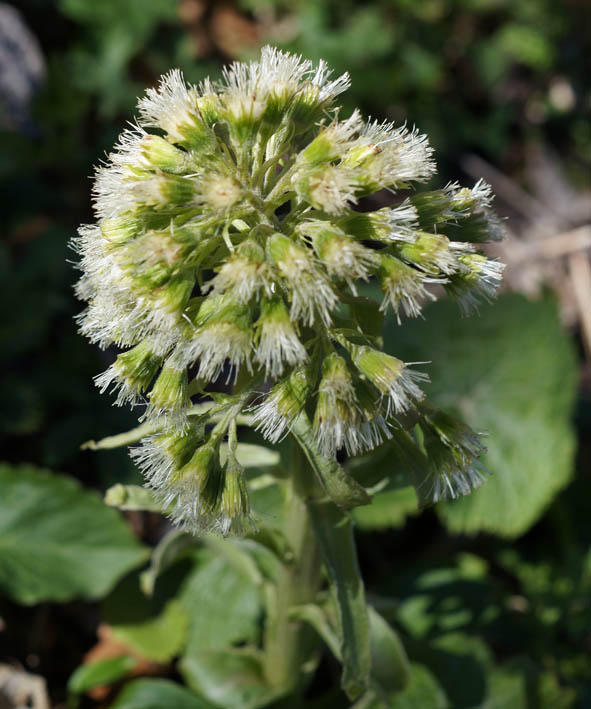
<point>228,241</point>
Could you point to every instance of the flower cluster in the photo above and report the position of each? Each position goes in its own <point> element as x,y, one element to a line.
<point>228,245</point>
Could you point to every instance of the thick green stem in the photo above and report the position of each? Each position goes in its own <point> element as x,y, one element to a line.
<point>289,642</point>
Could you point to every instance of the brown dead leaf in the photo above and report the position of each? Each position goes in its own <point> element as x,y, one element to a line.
<point>108,646</point>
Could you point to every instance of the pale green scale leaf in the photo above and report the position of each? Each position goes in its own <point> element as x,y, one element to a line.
<point>132,497</point>
<point>342,489</point>
<point>334,533</point>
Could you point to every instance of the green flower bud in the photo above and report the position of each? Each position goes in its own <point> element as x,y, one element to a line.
<point>173,296</point>
<point>118,230</point>
<point>341,255</point>
<point>210,110</point>
<point>162,454</point>
<point>330,143</point>
<point>160,154</point>
<point>465,214</point>
<point>235,515</point>
<point>278,342</point>
<point>390,376</point>
<point>453,451</point>
<point>388,225</point>
<point>476,282</point>
<point>243,113</point>
<point>176,109</point>
<point>310,291</point>
<point>169,393</point>
<point>390,157</point>
<point>330,188</point>
<point>193,493</point>
<point>151,259</point>
<point>337,416</point>
<point>244,274</point>
<point>165,190</point>
<point>132,373</point>
<point>220,192</point>
<point>346,415</point>
<point>307,107</point>
<point>223,334</point>
<point>284,403</point>
<point>403,286</point>
<point>432,253</point>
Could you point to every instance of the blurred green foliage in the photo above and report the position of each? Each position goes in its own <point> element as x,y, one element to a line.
<point>472,74</point>
<point>484,622</point>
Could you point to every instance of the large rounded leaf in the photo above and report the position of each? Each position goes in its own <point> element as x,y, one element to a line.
<point>158,694</point>
<point>510,372</point>
<point>232,678</point>
<point>222,603</point>
<point>58,541</point>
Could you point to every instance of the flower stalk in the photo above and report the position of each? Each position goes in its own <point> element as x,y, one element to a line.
<point>289,643</point>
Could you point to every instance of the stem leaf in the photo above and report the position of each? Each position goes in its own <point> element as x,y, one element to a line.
<point>342,489</point>
<point>132,497</point>
<point>389,663</point>
<point>315,616</point>
<point>334,532</point>
<point>167,552</point>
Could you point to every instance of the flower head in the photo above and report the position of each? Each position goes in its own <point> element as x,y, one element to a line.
<point>228,244</point>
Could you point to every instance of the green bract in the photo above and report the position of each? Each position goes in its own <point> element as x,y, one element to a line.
<point>228,245</point>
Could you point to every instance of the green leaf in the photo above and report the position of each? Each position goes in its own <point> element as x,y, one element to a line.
<point>131,497</point>
<point>387,509</point>
<point>136,434</point>
<point>57,540</point>
<point>316,616</point>
<point>122,439</point>
<point>510,373</point>
<point>237,555</point>
<point>267,500</point>
<point>159,638</point>
<point>342,489</point>
<point>223,605</point>
<point>275,541</point>
<point>367,314</point>
<point>389,663</point>
<point>94,674</point>
<point>250,455</point>
<point>519,683</point>
<point>505,689</point>
<point>460,662</point>
<point>157,694</point>
<point>447,598</point>
<point>169,550</point>
<point>334,533</point>
<point>154,628</point>
<point>423,691</point>
<point>231,678</point>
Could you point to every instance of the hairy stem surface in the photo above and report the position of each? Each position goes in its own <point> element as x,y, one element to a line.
<point>289,643</point>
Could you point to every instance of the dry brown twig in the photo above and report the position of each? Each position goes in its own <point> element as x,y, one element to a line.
<point>549,238</point>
